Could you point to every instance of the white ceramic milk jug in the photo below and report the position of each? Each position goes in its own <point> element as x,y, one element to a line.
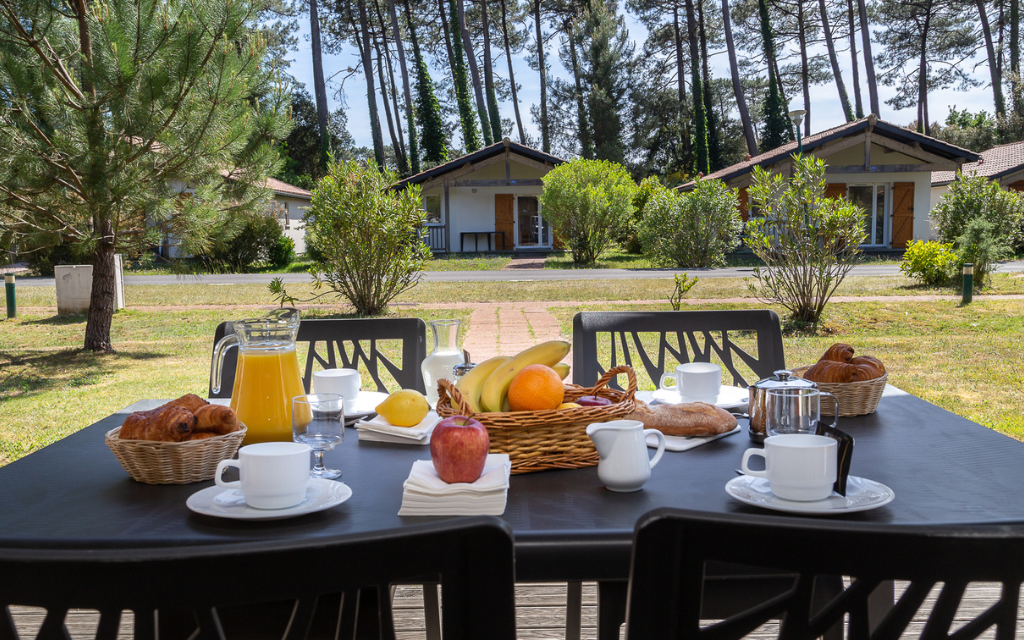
<point>622,446</point>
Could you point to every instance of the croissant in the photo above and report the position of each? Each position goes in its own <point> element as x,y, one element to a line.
<point>831,371</point>
<point>839,352</point>
<point>867,366</point>
<point>190,401</point>
<point>216,419</point>
<point>169,424</point>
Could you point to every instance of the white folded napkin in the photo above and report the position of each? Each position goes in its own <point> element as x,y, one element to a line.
<point>426,494</point>
<point>378,429</point>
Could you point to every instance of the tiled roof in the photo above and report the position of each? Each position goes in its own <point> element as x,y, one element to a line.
<point>819,139</point>
<point>994,163</point>
<point>285,189</point>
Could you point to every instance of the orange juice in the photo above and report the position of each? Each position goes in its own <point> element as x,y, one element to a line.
<point>265,383</point>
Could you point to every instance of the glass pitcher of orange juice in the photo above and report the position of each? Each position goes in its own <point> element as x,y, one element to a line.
<point>266,376</point>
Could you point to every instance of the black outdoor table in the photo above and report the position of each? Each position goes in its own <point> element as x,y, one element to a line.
<point>943,469</point>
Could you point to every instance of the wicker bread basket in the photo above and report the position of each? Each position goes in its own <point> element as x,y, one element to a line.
<point>553,439</point>
<point>855,398</point>
<point>155,462</point>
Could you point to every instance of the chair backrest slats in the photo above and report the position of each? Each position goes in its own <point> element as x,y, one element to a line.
<point>602,340</point>
<point>867,554</point>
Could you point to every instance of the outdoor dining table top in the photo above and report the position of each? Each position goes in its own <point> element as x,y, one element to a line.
<point>943,469</point>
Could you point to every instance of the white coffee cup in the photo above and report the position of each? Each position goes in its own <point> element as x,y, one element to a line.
<point>274,475</point>
<point>695,381</point>
<point>343,382</point>
<point>799,467</point>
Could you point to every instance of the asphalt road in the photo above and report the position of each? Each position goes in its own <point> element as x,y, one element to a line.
<point>510,275</point>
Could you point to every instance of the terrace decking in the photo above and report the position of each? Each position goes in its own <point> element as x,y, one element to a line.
<point>540,610</point>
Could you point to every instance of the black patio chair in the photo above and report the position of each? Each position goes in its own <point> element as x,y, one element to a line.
<point>746,343</point>
<point>350,343</point>
<point>672,549</point>
<point>212,585</point>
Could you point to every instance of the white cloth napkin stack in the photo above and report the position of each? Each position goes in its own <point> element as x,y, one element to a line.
<point>426,494</point>
<point>378,429</point>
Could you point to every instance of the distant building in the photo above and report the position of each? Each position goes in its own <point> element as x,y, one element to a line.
<point>884,168</point>
<point>488,199</point>
<point>1003,164</point>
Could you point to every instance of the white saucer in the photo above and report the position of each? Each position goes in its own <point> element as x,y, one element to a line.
<point>861,495</point>
<point>229,503</point>
<point>363,404</point>
<point>728,397</point>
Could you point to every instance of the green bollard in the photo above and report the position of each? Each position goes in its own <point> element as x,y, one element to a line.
<point>12,302</point>
<point>968,283</point>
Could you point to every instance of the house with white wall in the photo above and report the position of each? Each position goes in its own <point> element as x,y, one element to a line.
<point>884,168</point>
<point>488,200</point>
<point>1003,164</point>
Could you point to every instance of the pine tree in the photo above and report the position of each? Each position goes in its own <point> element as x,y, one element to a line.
<point>607,57</point>
<point>776,123</point>
<point>126,98</point>
<point>470,134</point>
<point>700,121</point>
<point>432,127</point>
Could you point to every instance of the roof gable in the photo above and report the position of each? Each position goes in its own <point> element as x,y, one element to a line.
<point>472,161</point>
<point>993,164</point>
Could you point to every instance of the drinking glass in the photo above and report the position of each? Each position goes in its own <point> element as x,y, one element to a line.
<point>319,421</point>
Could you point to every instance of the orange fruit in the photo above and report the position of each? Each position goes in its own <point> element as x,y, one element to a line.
<point>536,388</point>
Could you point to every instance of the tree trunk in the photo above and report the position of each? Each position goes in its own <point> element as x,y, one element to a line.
<point>805,82</point>
<point>680,62</point>
<point>587,146</point>
<point>319,86</point>
<point>384,62</point>
<point>511,74</point>
<point>468,121</point>
<point>447,33</point>
<point>545,136</point>
<point>474,73</point>
<point>737,86</point>
<point>371,92</point>
<point>700,128</point>
<point>716,159</point>
<point>410,112</point>
<point>922,77</point>
<point>492,99</point>
<point>993,63</point>
<point>853,60</point>
<point>435,147</point>
<point>396,143</point>
<point>1015,18</point>
<point>869,62</point>
<point>101,297</point>
<point>844,100</point>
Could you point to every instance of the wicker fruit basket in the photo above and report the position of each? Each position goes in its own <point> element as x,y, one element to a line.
<point>154,462</point>
<point>855,398</point>
<point>553,439</point>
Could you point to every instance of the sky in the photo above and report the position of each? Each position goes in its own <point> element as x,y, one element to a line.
<point>825,109</point>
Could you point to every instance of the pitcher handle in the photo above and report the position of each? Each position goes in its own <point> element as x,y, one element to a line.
<point>661,444</point>
<point>216,364</point>
<point>835,418</point>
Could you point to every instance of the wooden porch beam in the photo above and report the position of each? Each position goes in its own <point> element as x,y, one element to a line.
<point>840,145</point>
<point>530,182</point>
<point>890,168</point>
<point>461,171</point>
<point>910,150</point>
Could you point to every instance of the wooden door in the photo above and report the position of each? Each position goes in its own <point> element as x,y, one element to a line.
<point>835,190</point>
<point>744,203</point>
<point>902,214</point>
<point>504,221</point>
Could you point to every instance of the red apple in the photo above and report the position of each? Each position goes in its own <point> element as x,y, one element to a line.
<point>593,401</point>
<point>458,448</point>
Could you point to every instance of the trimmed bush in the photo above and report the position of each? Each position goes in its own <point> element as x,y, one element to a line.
<point>973,197</point>
<point>253,245</point>
<point>283,252</point>
<point>695,229</point>
<point>933,263</point>
<point>589,204</point>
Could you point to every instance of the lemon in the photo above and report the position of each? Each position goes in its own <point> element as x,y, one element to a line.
<point>405,408</point>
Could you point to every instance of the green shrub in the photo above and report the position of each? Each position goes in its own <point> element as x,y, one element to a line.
<point>973,197</point>
<point>283,252</point>
<point>808,242</point>
<point>933,263</point>
<point>695,229</point>
<point>649,186</point>
<point>589,204</point>
<point>981,246</point>
<point>253,245</point>
<point>368,234</point>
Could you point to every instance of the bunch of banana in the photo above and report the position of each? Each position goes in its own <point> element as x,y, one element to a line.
<point>485,387</point>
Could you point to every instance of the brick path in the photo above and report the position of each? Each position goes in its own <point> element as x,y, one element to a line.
<point>506,328</point>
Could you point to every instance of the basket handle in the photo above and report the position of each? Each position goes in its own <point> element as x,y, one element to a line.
<point>447,389</point>
<point>614,371</point>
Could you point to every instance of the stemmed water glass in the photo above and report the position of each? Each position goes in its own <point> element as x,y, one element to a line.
<point>319,421</point>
